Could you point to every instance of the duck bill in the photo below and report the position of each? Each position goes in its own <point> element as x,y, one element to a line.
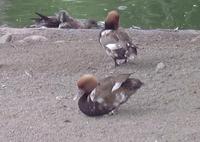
<point>79,94</point>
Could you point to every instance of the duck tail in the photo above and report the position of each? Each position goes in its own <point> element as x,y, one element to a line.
<point>134,49</point>
<point>42,16</point>
<point>136,83</point>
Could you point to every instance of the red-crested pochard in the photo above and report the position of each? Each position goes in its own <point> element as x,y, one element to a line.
<point>116,41</point>
<point>106,95</point>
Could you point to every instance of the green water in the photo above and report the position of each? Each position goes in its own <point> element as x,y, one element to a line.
<point>147,14</point>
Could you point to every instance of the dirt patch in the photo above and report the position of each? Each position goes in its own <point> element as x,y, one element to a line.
<point>37,84</point>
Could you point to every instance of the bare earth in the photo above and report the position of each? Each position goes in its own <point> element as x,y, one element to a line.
<point>38,82</point>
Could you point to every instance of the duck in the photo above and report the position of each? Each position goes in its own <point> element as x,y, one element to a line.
<point>89,24</point>
<point>116,41</point>
<point>51,21</point>
<point>45,21</point>
<point>86,84</point>
<point>63,20</point>
<point>97,98</point>
<point>80,24</point>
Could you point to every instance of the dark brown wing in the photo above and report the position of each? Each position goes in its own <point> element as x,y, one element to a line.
<point>47,21</point>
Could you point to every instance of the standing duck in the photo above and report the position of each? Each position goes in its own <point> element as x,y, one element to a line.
<point>105,96</point>
<point>116,41</point>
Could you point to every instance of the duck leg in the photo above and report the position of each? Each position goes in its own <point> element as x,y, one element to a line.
<point>115,60</point>
<point>126,60</point>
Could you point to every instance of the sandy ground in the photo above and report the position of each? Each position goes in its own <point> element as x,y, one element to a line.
<point>38,82</point>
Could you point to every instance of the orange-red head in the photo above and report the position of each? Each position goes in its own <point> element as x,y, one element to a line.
<point>87,83</point>
<point>112,20</point>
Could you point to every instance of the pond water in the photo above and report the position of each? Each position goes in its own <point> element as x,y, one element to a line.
<point>147,14</point>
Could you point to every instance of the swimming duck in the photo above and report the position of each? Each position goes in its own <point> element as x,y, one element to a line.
<point>106,95</point>
<point>116,41</point>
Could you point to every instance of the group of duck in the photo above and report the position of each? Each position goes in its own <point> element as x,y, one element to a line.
<point>64,20</point>
<point>104,96</point>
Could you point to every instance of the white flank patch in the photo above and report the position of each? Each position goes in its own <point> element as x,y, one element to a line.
<point>92,95</point>
<point>105,32</point>
<point>131,57</point>
<point>76,97</point>
<point>100,100</point>
<point>120,98</point>
<point>112,46</point>
<point>123,97</point>
<point>116,86</point>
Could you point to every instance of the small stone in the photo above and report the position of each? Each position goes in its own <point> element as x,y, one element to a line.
<point>160,66</point>
<point>59,41</point>
<point>122,7</point>
<point>170,75</point>
<point>35,38</point>
<point>5,38</point>
<point>3,86</point>
<point>59,98</point>
<point>29,73</point>
<point>67,121</point>
<point>135,27</point>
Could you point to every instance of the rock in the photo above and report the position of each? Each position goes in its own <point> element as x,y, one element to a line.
<point>67,121</point>
<point>35,38</point>
<point>160,66</point>
<point>5,38</point>
<point>59,98</point>
<point>59,41</point>
<point>122,7</point>
<point>28,73</point>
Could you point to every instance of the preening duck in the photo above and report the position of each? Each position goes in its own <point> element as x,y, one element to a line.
<point>106,95</point>
<point>45,21</point>
<point>86,84</point>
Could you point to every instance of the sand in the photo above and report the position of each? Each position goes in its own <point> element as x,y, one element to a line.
<point>38,81</point>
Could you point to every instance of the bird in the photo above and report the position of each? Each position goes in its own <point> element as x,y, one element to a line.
<point>106,95</point>
<point>116,41</point>
<point>51,21</point>
<point>45,21</point>
<point>86,84</point>
<point>63,20</point>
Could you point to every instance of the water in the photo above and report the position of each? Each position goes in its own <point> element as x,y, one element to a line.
<point>146,14</point>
